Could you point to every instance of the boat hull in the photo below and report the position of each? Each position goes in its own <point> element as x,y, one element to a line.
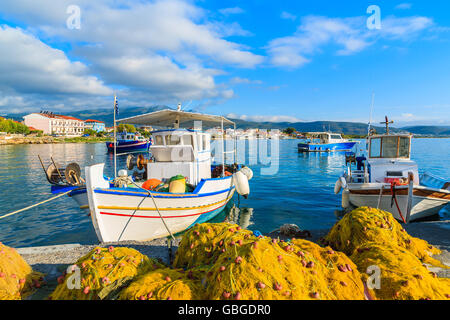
<point>128,146</point>
<point>80,197</point>
<point>426,202</point>
<point>121,214</point>
<point>327,147</point>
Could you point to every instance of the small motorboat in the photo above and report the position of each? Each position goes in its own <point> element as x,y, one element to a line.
<point>129,142</point>
<point>386,178</point>
<point>326,142</point>
<point>200,191</point>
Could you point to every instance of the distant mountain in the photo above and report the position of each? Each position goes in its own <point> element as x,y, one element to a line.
<point>429,130</point>
<point>348,128</point>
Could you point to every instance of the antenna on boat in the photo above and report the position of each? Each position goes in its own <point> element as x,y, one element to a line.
<point>371,111</point>
<point>115,139</point>
<point>387,122</point>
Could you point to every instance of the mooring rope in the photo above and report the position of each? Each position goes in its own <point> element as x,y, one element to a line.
<point>157,209</point>
<point>34,205</point>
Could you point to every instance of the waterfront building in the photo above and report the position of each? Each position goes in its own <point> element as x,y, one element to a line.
<point>50,123</point>
<point>95,125</point>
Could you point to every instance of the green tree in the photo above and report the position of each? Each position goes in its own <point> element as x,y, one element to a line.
<point>11,126</point>
<point>90,132</point>
<point>126,127</point>
<point>289,130</point>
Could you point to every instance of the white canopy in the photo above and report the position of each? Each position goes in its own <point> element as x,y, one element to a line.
<point>168,117</point>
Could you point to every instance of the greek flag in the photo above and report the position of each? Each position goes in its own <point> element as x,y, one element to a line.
<point>116,107</point>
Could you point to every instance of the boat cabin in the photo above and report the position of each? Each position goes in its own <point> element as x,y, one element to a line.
<point>389,158</point>
<point>180,151</point>
<point>131,136</point>
<point>325,137</point>
<point>390,147</point>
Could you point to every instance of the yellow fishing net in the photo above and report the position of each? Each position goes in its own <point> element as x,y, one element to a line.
<point>17,279</point>
<point>374,239</point>
<point>366,224</point>
<point>101,272</point>
<point>165,284</point>
<point>402,276</point>
<point>242,266</point>
<point>204,243</point>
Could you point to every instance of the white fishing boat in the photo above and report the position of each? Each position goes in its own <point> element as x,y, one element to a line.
<point>387,178</point>
<point>131,212</point>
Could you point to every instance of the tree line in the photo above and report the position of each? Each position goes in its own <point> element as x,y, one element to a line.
<point>11,126</point>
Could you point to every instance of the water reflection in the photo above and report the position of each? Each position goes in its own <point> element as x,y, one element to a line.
<point>240,216</point>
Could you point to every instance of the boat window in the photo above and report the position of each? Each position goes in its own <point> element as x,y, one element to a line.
<point>159,140</point>
<point>389,147</point>
<point>187,140</point>
<point>173,139</point>
<point>375,147</point>
<point>335,136</point>
<point>403,150</point>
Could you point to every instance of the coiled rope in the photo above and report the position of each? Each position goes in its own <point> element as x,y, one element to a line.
<point>34,205</point>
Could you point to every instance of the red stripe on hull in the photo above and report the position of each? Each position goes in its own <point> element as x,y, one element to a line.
<point>157,217</point>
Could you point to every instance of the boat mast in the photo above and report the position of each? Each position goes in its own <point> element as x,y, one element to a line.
<point>115,141</point>
<point>223,150</point>
<point>371,111</point>
<point>387,122</point>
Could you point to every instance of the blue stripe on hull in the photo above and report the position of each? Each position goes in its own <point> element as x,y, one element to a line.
<point>127,147</point>
<point>344,146</point>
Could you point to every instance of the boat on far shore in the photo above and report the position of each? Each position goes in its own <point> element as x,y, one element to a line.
<point>129,142</point>
<point>326,142</point>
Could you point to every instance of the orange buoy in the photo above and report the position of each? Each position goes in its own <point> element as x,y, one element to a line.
<point>151,184</point>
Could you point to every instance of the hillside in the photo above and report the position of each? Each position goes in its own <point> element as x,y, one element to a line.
<point>348,128</point>
<point>429,130</point>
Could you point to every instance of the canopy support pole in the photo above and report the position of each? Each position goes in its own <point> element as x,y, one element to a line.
<point>223,150</point>
<point>115,140</point>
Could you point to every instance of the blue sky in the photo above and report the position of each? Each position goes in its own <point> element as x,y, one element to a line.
<point>256,60</point>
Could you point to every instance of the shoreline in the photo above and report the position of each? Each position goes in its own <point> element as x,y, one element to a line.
<point>70,140</point>
<point>52,140</point>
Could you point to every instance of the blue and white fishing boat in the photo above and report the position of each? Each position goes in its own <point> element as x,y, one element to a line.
<point>326,142</point>
<point>132,212</point>
<point>129,142</point>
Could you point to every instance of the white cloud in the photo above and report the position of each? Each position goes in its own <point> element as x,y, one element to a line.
<point>239,80</point>
<point>403,6</point>
<point>165,49</point>
<point>264,118</point>
<point>288,16</point>
<point>350,34</point>
<point>233,10</point>
<point>28,65</point>
<point>404,28</point>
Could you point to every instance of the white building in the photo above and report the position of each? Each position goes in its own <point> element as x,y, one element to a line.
<point>56,124</point>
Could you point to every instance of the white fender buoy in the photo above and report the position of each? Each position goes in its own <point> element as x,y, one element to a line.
<point>343,182</point>
<point>345,199</point>
<point>248,172</point>
<point>241,183</point>
<point>337,186</point>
